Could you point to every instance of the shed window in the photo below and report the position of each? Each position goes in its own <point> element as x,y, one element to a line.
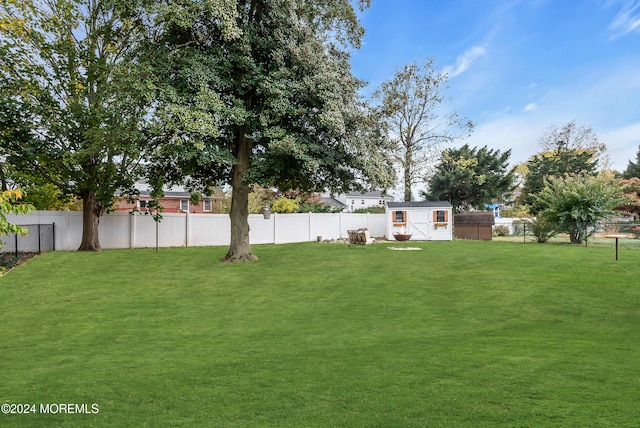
<point>440,216</point>
<point>399,217</point>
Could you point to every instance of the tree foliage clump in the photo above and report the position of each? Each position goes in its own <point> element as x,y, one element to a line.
<point>412,105</point>
<point>10,203</point>
<point>576,204</point>
<point>285,205</point>
<point>471,177</point>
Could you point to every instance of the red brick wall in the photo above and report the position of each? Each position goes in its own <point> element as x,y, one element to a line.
<point>170,205</point>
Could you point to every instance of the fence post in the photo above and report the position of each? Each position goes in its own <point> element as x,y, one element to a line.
<point>187,228</point>
<point>132,230</point>
<point>275,218</point>
<point>524,241</point>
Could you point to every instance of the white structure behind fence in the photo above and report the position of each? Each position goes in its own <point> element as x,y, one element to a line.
<point>124,230</point>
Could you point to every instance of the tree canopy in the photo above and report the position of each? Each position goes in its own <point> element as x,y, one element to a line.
<point>273,102</point>
<point>72,100</point>
<point>575,204</point>
<point>471,177</point>
<point>412,105</point>
<point>570,150</point>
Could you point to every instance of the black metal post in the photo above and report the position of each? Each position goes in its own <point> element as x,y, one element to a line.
<point>39,240</point>
<point>16,239</point>
<point>53,233</point>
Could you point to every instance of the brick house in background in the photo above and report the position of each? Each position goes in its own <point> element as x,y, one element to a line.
<point>175,200</point>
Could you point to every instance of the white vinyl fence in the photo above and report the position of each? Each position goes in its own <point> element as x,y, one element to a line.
<point>124,230</point>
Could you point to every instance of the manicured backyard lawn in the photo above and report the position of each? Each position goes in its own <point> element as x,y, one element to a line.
<point>460,334</point>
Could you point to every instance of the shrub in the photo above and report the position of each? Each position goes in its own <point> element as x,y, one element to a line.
<point>500,231</point>
<point>285,205</point>
<point>542,229</point>
<point>372,210</point>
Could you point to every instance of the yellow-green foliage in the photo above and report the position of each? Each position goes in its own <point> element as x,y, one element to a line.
<point>10,204</point>
<point>285,205</point>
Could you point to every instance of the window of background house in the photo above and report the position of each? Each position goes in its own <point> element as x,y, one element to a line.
<point>142,204</point>
<point>184,205</point>
<point>207,204</point>
<point>361,201</point>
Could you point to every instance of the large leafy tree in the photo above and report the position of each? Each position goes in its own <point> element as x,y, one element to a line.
<point>570,150</point>
<point>72,105</point>
<point>266,98</point>
<point>576,204</point>
<point>471,177</point>
<point>412,104</point>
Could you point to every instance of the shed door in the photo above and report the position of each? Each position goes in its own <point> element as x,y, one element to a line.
<point>419,224</point>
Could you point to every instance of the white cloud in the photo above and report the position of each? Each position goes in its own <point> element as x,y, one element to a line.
<point>464,61</point>
<point>531,107</point>
<point>627,20</point>
<point>516,133</point>
<point>622,144</point>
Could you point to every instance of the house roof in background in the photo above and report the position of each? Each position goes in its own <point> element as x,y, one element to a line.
<point>333,202</point>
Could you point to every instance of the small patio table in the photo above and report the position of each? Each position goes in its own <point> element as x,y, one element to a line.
<point>616,238</point>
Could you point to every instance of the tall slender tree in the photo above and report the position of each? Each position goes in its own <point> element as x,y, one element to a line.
<point>412,104</point>
<point>272,102</point>
<point>73,103</point>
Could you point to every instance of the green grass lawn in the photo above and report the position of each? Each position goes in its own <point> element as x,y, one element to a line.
<point>460,334</point>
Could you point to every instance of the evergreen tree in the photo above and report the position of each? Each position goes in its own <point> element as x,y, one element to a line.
<point>471,177</point>
<point>633,168</point>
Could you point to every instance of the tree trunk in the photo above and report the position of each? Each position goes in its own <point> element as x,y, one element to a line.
<point>408,161</point>
<point>575,237</point>
<point>239,248</point>
<point>91,213</point>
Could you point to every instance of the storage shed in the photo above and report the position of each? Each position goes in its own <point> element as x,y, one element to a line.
<point>476,225</point>
<point>424,221</point>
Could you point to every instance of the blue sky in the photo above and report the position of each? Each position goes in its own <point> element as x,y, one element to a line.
<point>518,66</point>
